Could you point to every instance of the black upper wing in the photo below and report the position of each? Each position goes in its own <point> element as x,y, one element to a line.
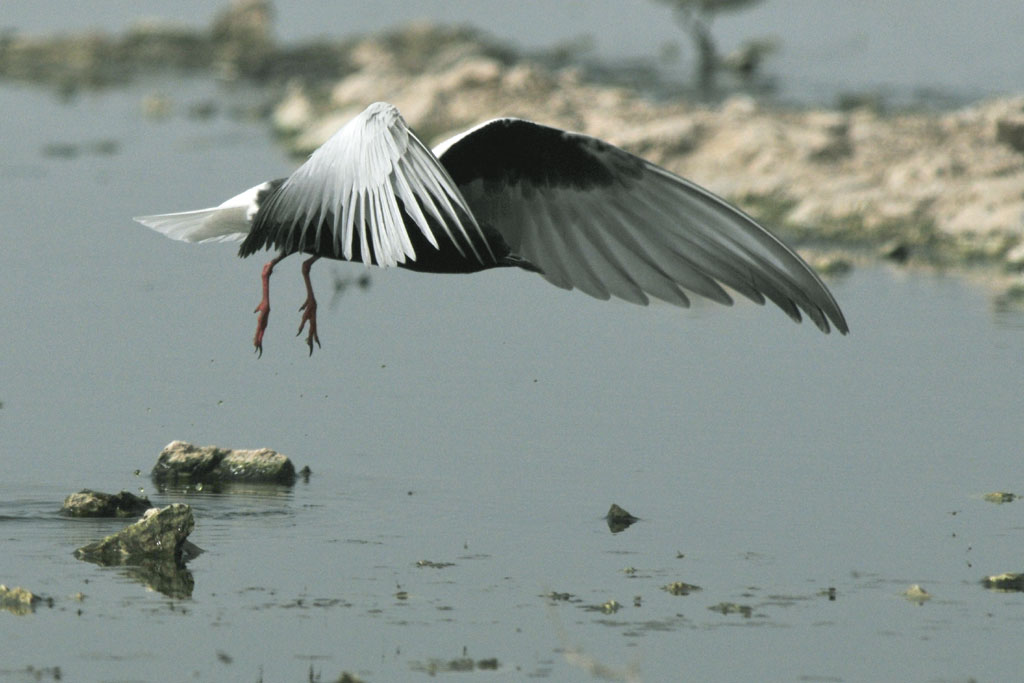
<point>593,216</point>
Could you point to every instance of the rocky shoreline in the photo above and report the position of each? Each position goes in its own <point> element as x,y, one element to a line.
<point>939,189</point>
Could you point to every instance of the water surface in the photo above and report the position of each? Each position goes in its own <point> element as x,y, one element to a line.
<point>485,421</point>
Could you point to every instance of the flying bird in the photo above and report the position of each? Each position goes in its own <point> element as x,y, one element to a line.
<point>579,211</point>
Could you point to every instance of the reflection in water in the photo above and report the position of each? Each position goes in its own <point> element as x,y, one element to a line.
<point>153,550</point>
<point>166,578</point>
<point>241,489</point>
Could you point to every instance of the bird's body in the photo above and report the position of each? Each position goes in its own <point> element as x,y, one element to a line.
<point>579,211</point>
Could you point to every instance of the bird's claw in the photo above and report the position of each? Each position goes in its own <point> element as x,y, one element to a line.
<point>261,326</point>
<point>309,315</point>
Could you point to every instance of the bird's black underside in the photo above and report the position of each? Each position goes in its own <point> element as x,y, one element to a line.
<point>315,236</point>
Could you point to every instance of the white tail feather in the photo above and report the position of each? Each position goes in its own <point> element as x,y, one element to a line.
<point>229,222</point>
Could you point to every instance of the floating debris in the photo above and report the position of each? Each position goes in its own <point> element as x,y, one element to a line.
<point>1008,582</point>
<point>434,565</point>
<point>560,597</point>
<point>999,497</point>
<point>347,677</point>
<point>461,664</point>
<point>89,503</point>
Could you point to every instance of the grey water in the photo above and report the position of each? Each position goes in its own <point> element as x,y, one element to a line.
<point>483,424</point>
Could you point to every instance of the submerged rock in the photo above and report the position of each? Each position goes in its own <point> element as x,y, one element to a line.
<point>17,600</point>
<point>182,462</point>
<point>433,667</point>
<point>160,535</point>
<point>727,608</point>
<point>1009,582</point>
<point>680,588</point>
<point>89,503</point>
<point>619,519</point>
<point>917,594</point>
<point>152,551</point>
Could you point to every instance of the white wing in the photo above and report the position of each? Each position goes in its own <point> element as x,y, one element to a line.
<point>357,185</point>
<point>592,216</point>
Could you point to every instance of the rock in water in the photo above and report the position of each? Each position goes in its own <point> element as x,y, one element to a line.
<point>89,503</point>
<point>1008,582</point>
<point>160,535</point>
<point>17,600</point>
<point>618,519</point>
<point>182,462</point>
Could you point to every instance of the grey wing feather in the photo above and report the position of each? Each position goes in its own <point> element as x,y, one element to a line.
<point>592,216</point>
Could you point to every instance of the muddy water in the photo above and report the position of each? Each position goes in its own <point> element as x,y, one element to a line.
<point>466,436</point>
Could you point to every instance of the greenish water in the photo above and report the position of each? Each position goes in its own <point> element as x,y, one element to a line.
<point>487,422</point>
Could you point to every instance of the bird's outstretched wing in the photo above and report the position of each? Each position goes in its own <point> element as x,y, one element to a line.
<point>592,216</point>
<point>357,188</point>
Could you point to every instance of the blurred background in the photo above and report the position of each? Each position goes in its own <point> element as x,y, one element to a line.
<point>933,52</point>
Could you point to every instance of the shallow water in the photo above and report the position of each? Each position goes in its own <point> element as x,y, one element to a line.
<point>488,422</point>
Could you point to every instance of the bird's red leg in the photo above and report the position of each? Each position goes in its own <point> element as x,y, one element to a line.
<point>309,307</point>
<point>264,306</point>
